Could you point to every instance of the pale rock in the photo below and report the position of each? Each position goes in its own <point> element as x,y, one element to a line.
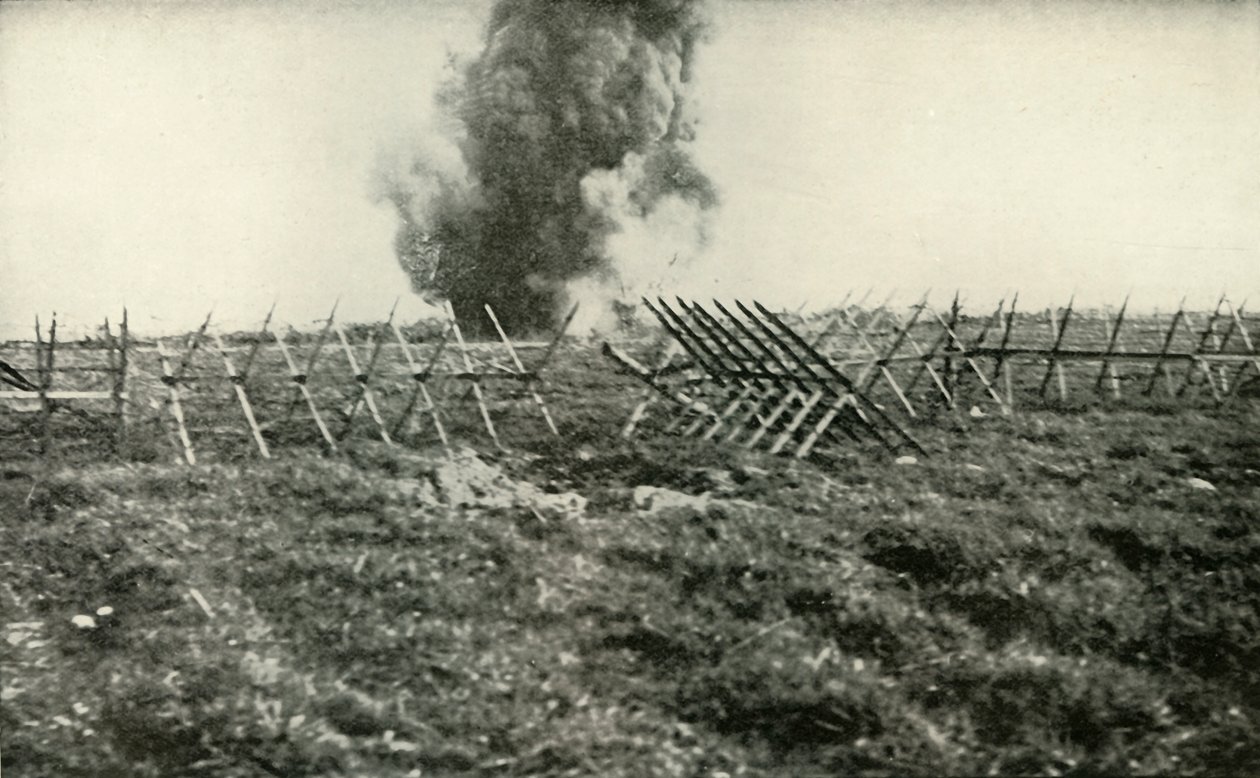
<point>906,460</point>
<point>654,499</point>
<point>1199,483</point>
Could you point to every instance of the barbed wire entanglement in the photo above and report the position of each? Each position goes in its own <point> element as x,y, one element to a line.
<point>735,373</point>
<point>743,374</point>
<point>245,393</point>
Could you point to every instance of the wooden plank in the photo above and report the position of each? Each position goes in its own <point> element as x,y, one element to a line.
<point>531,384</point>
<point>243,399</point>
<point>60,394</point>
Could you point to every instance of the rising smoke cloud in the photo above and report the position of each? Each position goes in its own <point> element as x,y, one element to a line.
<point>561,166</point>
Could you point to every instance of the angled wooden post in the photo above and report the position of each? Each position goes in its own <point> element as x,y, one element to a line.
<point>1000,361</point>
<point>859,399</point>
<point>474,379</point>
<point>765,389</point>
<point>1168,338</point>
<point>1209,331</point>
<point>1057,331</point>
<point>1220,343</point>
<point>310,364</point>
<point>257,344</point>
<point>1196,361</point>
<point>242,398</point>
<point>173,401</point>
<point>713,372</point>
<point>44,370</point>
<point>842,399</point>
<point>728,345</point>
<point>530,384</point>
<point>193,343</point>
<point>364,392</point>
<point>1111,347</point>
<point>299,380</point>
<point>801,391</point>
<point>925,366</point>
<point>1241,328</point>
<point>421,377</point>
<point>118,390</point>
<point>555,341</point>
<point>949,366</point>
<point>960,349</point>
<point>649,395</point>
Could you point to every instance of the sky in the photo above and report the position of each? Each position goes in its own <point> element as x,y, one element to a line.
<point>173,157</point>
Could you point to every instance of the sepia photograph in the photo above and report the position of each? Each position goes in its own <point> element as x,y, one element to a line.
<point>629,388</point>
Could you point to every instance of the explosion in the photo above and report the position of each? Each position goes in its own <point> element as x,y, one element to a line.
<point>563,156</point>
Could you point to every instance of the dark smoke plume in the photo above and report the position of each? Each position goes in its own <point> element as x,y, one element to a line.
<point>570,124</point>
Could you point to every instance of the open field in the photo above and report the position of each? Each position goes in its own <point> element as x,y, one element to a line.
<point>1045,593</point>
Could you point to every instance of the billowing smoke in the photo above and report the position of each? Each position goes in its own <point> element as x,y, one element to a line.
<point>562,159</point>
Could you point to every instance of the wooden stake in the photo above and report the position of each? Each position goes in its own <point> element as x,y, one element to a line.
<point>475,380</point>
<point>44,369</point>
<point>242,398</point>
<point>365,392</point>
<point>1159,363</point>
<point>1111,347</point>
<point>1201,364</point>
<point>640,410</point>
<point>1057,331</point>
<point>173,401</point>
<point>529,382</point>
<point>833,371</point>
<point>1240,327</point>
<point>421,377</point>
<point>310,364</point>
<point>299,380</point>
<point>253,349</point>
<point>972,363</point>
<point>193,344</point>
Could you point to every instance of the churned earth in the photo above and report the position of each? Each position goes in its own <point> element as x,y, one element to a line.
<point>1062,591</point>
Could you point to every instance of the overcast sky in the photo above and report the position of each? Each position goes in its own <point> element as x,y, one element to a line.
<point>175,156</point>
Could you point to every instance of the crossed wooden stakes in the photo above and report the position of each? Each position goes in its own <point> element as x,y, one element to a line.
<point>751,377</point>
<point>754,378</point>
<point>368,376</point>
